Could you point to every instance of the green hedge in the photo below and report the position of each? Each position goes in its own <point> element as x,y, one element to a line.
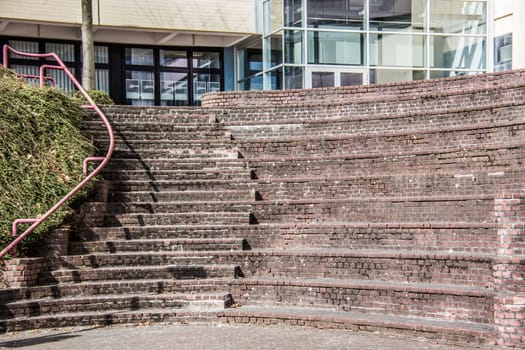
<point>41,154</point>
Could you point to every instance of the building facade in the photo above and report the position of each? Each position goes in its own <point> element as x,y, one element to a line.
<point>170,52</point>
<point>323,43</point>
<point>156,52</point>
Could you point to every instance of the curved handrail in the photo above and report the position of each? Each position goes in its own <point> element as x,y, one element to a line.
<point>91,105</point>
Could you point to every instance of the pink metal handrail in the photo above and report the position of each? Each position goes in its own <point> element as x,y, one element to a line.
<point>103,160</point>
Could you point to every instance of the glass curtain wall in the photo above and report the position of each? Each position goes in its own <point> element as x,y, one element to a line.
<point>386,40</point>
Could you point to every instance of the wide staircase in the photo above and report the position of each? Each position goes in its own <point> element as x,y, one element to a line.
<point>370,209</point>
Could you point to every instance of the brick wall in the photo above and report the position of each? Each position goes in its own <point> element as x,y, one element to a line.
<point>427,88</point>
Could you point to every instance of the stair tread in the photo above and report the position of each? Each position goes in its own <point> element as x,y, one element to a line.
<point>89,298</point>
<point>396,321</point>
<point>421,287</point>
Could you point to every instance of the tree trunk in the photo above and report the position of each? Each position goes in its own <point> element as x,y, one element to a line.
<point>88,46</point>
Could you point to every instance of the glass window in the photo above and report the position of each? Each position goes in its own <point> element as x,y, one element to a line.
<point>349,79</point>
<point>293,77</point>
<point>102,79</point>
<point>457,52</point>
<point>323,79</point>
<point>101,54</point>
<point>203,83</point>
<point>397,50</point>
<point>293,12</point>
<point>66,52</point>
<point>23,46</point>
<point>461,17</point>
<point>30,71</point>
<point>173,89</point>
<point>61,79</point>
<point>397,15</point>
<point>274,55</point>
<point>380,76</point>
<point>450,73</point>
<point>330,13</point>
<point>275,79</point>
<point>173,58</point>
<point>140,88</point>
<point>293,46</point>
<point>140,57</point>
<point>206,59</point>
<point>335,48</point>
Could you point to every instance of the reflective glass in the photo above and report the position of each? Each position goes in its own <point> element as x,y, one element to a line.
<point>397,50</point>
<point>66,52</point>
<point>293,46</point>
<point>397,15</point>
<point>330,13</point>
<point>323,79</point>
<point>275,78</point>
<point>380,76</point>
<point>205,59</point>
<point>453,73</point>
<point>335,48</point>
<point>141,57</point>
<point>102,79</point>
<point>349,79</point>
<point>274,55</point>
<point>140,88</point>
<point>293,12</point>
<point>173,89</point>
<point>293,77</point>
<point>23,46</point>
<point>203,83</point>
<point>460,17</point>
<point>101,54</point>
<point>457,52</point>
<point>173,58</point>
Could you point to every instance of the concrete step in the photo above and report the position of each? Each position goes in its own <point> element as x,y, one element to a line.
<point>166,196</point>
<point>189,208</point>
<point>156,245</point>
<point>381,264</point>
<point>389,185</point>
<point>483,158</point>
<point>125,272</point>
<point>466,237</point>
<point>437,301</point>
<point>106,318</point>
<point>462,208</point>
<point>394,141</point>
<point>174,176</point>
<point>240,183</point>
<point>196,154</point>
<point>203,164</point>
<point>450,332</point>
<point>113,303</point>
<point>187,218</point>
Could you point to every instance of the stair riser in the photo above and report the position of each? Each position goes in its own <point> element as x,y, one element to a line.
<point>462,162</point>
<point>111,288</point>
<point>360,126</point>
<point>475,211</point>
<point>129,233</point>
<point>174,272</point>
<point>415,185</point>
<point>109,319</point>
<point>153,164</point>
<point>445,306</point>
<point>368,144</point>
<point>197,207</point>
<point>188,219</point>
<point>120,178</point>
<point>419,269</point>
<point>207,193</point>
<point>224,153</point>
<point>130,246</point>
<point>234,184</point>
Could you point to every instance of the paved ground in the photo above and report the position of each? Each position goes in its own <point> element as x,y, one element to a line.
<point>209,337</point>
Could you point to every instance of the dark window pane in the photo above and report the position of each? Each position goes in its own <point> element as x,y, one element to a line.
<point>323,79</point>
<point>173,58</point>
